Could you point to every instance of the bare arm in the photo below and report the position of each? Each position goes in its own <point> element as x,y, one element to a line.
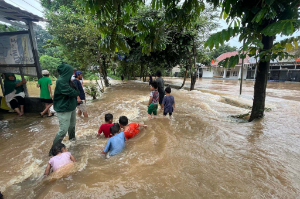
<point>143,125</point>
<point>49,88</point>
<point>47,171</point>
<point>150,100</point>
<point>78,99</point>
<point>38,85</point>
<point>72,158</point>
<point>21,83</point>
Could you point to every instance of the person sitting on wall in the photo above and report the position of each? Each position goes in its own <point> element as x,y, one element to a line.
<point>14,93</point>
<point>44,84</point>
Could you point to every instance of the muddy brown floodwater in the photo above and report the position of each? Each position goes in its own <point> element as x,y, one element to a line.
<point>201,153</point>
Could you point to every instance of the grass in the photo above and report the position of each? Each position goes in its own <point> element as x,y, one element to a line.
<point>114,76</point>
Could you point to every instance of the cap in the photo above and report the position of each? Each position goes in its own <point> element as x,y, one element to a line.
<point>45,72</point>
<point>78,73</point>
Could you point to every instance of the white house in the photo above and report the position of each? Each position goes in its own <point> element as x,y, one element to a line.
<point>215,71</point>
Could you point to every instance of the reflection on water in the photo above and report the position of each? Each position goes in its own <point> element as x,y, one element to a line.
<point>200,153</point>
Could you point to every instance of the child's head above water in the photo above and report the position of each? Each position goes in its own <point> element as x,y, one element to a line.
<point>168,90</point>
<point>109,118</point>
<point>123,121</point>
<point>115,129</point>
<point>58,148</point>
<point>153,86</point>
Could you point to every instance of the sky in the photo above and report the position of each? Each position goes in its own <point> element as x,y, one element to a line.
<point>35,7</point>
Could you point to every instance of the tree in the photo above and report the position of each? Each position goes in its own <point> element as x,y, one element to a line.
<point>50,63</point>
<point>258,23</point>
<point>215,53</point>
<point>184,15</point>
<point>42,36</point>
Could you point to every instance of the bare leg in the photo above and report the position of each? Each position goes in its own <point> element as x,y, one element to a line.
<point>48,109</point>
<point>44,111</point>
<point>85,114</point>
<point>22,109</point>
<point>79,113</point>
<point>149,116</point>
<point>18,111</point>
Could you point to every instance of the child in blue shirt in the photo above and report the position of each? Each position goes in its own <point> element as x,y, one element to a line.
<point>116,143</point>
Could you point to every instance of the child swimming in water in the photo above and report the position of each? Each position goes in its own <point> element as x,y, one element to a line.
<point>105,128</point>
<point>116,143</point>
<point>130,130</point>
<point>61,158</point>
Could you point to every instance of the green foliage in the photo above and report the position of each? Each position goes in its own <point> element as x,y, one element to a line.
<point>268,18</point>
<point>8,28</point>
<point>50,63</point>
<point>215,53</point>
<point>220,37</point>
<point>92,90</point>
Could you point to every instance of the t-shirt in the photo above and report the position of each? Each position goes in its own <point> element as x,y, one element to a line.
<point>44,82</point>
<point>79,87</point>
<point>115,144</point>
<point>60,160</point>
<point>105,128</point>
<point>132,131</point>
<point>160,85</point>
<point>168,102</point>
<point>155,96</point>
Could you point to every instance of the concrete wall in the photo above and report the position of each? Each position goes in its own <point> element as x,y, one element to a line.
<point>32,105</point>
<point>219,72</point>
<point>209,73</point>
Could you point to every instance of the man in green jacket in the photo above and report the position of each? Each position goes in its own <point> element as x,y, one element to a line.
<point>65,103</point>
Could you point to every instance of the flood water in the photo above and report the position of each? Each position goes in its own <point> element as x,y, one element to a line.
<point>201,153</point>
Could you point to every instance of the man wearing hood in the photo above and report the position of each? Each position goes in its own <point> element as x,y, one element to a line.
<point>65,103</point>
<point>14,93</point>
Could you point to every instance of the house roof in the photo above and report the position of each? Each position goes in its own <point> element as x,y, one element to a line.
<point>10,12</point>
<point>229,54</point>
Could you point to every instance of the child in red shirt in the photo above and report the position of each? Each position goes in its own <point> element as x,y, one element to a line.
<point>130,130</point>
<point>105,128</point>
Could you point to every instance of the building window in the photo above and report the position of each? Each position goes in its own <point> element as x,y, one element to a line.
<point>222,73</point>
<point>234,73</point>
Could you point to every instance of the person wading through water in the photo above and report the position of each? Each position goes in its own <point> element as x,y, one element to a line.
<point>65,103</point>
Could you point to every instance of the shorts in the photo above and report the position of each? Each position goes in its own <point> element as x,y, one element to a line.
<point>82,107</point>
<point>161,97</point>
<point>16,102</point>
<point>170,113</point>
<point>152,108</point>
<point>48,101</point>
<point>165,113</point>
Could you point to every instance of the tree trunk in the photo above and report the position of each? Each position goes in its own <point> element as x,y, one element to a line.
<point>100,72</point>
<point>104,72</point>
<point>193,74</point>
<point>141,74</point>
<point>127,72</point>
<point>258,107</point>
<point>185,74</point>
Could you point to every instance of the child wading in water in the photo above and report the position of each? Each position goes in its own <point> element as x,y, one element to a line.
<point>61,158</point>
<point>153,101</point>
<point>130,130</point>
<point>105,128</point>
<point>116,143</point>
<point>168,103</point>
